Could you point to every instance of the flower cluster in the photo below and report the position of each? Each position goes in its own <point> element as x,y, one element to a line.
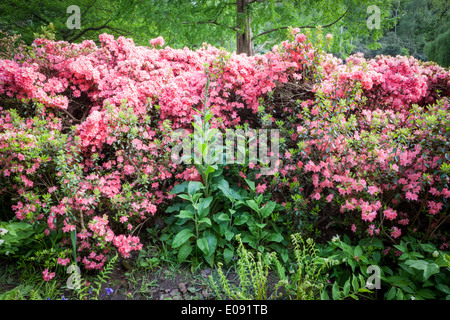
<point>85,133</point>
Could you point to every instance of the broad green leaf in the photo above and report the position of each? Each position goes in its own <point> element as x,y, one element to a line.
<point>355,283</point>
<point>204,206</point>
<point>275,237</point>
<point>185,214</point>
<point>225,188</point>
<point>202,244</point>
<point>399,281</point>
<point>179,188</point>
<point>184,252</point>
<point>205,220</point>
<point>377,256</point>
<point>207,243</point>
<point>260,225</point>
<point>223,217</point>
<point>335,291</point>
<point>428,268</point>
<point>229,235</point>
<point>427,247</point>
<point>241,219</point>
<point>425,293</point>
<point>346,288</point>
<point>252,204</point>
<point>184,196</point>
<point>358,251</point>
<point>268,209</point>
<point>442,287</point>
<point>251,184</point>
<point>431,269</point>
<point>181,238</point>
<point>324,295</point>
<point>228,254</point>
<point>400,295</point>
<point>194,186</point>
<point>391,293</point>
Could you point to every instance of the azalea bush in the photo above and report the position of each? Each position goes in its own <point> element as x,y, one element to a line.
<point>86,136</point>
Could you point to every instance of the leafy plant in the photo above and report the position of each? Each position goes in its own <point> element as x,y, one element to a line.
<point>214,210</point>
<point>15,236</point>
<point>423,272</point>
<point>94,291</point>
<point>306,281</point>
<point>253,275</point>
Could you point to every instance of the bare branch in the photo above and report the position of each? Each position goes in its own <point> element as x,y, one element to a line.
<point>215,20</point>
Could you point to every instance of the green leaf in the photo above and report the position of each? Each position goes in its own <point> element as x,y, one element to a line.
<point>346,288</point>
<point>241,219</point>
<point>268,209</point>
<point>184,252</point>
<point>205,220</point>
<point>223,217</point>
<point>225,188</point>
<point>442,287</point>
<point>324,295</point>
<point>400,295</point>
<point>204,206</point>
<point>251,184</point>
<point>399,281</point>
<point>194,186</point>
<point>181,238</point>
<point>431,269</point>
<point>228,254</point>
<point>352,263</point>
<point>229,235</point>
<point>335,291</point>
<point>391,293</point>
<point>185,214</point>
<point>207,243</point>
<point>428,268</point>
<point>252,204</point>
<point>427,247</point>
<point>377,256</point>
<point>275,237</point>
<point>184,196</point>
<point>355,283</point>
<point>179,188</point>
<point>425,293</point>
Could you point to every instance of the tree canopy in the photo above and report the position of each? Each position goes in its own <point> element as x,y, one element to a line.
<point>408,27</point>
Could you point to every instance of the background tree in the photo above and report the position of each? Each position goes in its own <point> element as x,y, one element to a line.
<point>249,26</point>
<point>97,16</point>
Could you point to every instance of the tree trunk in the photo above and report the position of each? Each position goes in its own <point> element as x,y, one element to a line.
<point>244,34</point>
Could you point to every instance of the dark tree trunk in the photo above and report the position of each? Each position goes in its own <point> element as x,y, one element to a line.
<point>244,39</point>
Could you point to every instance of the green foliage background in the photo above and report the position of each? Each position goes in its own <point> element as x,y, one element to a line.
<point>407,27</point>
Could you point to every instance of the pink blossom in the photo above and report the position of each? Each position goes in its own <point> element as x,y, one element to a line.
<point>48,276</point>
<point>260,188</point>
<point>395,232</point>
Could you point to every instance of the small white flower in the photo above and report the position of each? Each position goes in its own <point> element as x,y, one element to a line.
<point>413,298</point>
<point>3,231</point>
<point>435,254</point>
<point>335,238</point>
<point>1,241</point>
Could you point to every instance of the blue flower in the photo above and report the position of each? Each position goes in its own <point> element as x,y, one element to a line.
<point>109,291</point>
<point>64,298</point>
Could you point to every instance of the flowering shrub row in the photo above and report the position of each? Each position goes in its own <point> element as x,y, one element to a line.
<point>85,134</point>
